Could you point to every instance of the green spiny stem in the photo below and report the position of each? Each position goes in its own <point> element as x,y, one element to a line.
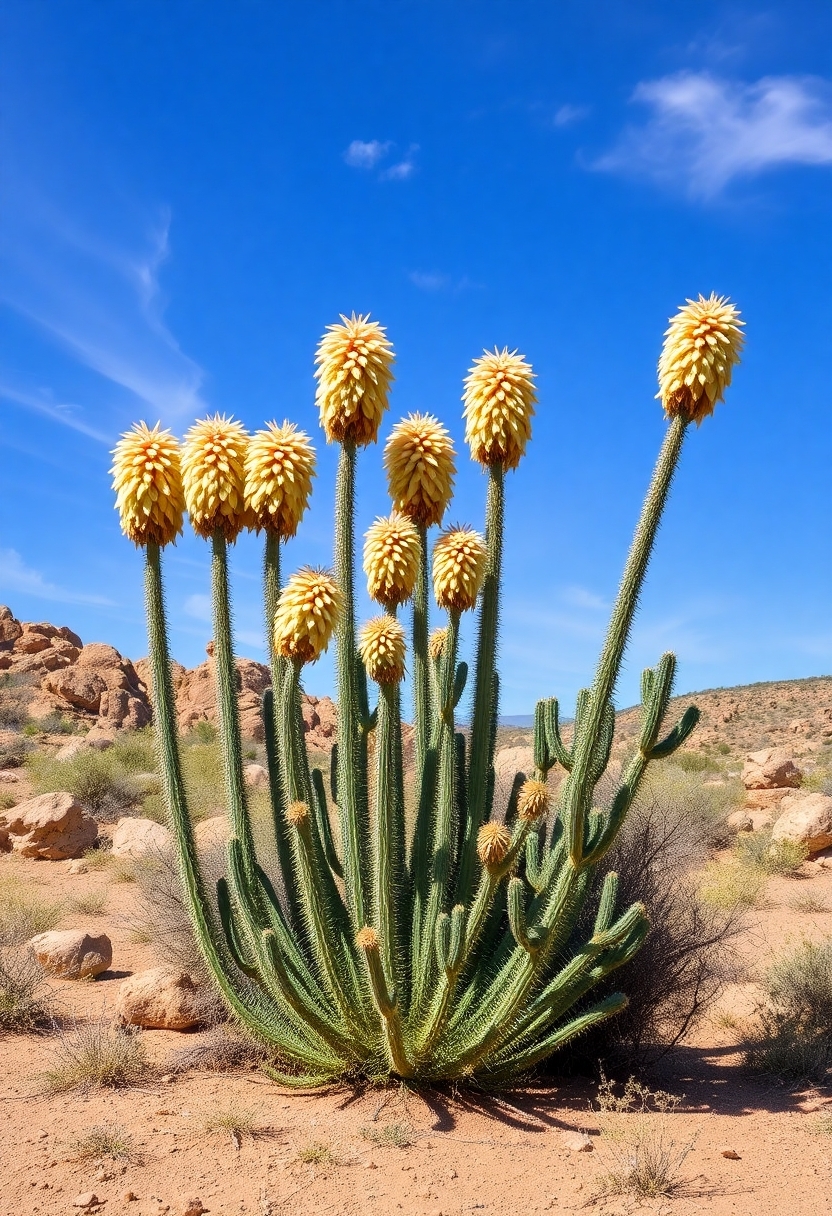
<point>272,699</point>
<point>271,594</point>
<point>388,1007</point>
<point>421,662</point>
<point>208,935</point>
<point>352,758</point>
<point>618,632</point>
<point>592,1017</point>
<point>441,861</point>
<point>481,724</point>
<point>227,710</point>
<point>390,902</point>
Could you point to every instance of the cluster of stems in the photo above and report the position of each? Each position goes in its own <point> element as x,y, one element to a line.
<point>387,939</point>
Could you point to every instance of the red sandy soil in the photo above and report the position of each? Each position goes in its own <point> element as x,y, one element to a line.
<point>470,1152</point>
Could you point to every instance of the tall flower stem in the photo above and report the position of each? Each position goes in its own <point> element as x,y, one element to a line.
<point>482,725</point>
<point>352,753</point>
<point>609,664</point>
<point>421,670</point>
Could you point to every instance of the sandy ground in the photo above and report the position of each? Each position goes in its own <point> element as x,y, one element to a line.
<point>464,1152</point>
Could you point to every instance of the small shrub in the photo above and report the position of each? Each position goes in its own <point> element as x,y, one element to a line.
<point>392,1135</point>
<point>25,912</point>
<point>56,724</point>
<point>30,730</point>
<point>202,732</point>
<point>91,903</point>
<point>103,1140</point>
<point>13,753</point>
<point>235,1121</point>
<point>809,904</point>
<point>96,779</point>
<point>221,1050</point>
<point>646,1164</point>
<point>122,869</point>
<point>795,1021</point>
<point>635,1098</point>
<point>729,885</point>
<point>757,849</point>
<point>23,993</point>
<point>15,695</point>
<point>7,801</point>
<point>695,762</point>
<point>97,1055</point>
<point>318,1152</point>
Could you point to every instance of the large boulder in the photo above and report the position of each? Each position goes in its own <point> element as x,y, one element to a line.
<point>160,999</point>
<point>256,777</point>
<point>213,833</point>
<point>770,769</point>
<point>72,954</point>
<point>512,760</point>
<point>807,819</point>
<point>51,826</point>
<point>139,838</point>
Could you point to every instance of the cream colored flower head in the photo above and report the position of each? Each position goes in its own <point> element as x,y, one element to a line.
<point>213,476</point>
<point>354,373</point>
<point>307,613</point>
<point>499,404</point>
<point>459,560</point>
<point>297,813</point>
<point>391,559</point>
<point>279,467</point>
<point>493,844</point>
<point>534,800</point>
<point>419,459</point>
<point>436,643</point>
<point>367,939</point>
<point>147,479</point>
<point>382,647</point>
<point>702,344</point>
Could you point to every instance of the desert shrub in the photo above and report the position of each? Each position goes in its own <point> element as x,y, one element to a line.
<point>641,1157</point>
<point>695,762</point>
<point>96,779</point>
<point>728,884</point>
<point>236,1121</point>
<point>222,1049</point>
<point>23,992</point>
<point>201,732</point>
<point>56,724</point>
<point>203,775</point>
<point>25,912</point>
<point>7,801</point>
<point>794,1040</point>
<point>757,849</point>
<point>15,694</point>
<point>96,1055</point>
<point>103,1140</point>
<point>687,957</point>
<point>13,752</point>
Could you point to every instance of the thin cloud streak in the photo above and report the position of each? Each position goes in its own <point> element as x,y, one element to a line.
<point>704,131</point>
<point>16,576</point>
<point>57,411</point>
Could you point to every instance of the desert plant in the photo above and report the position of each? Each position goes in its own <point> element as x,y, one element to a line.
<point>24,1005</point>
<point>103,1140</point>
<point>24,911</point>
<point>15,694</point>
<point>452,954</point>
<point>96,1055</point>
<point>97,779</point>
<point>794,1040</point>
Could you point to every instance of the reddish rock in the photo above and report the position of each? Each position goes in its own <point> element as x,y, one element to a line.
<point>52,827</point>
<point>806,819</point>
<point>770,769</point>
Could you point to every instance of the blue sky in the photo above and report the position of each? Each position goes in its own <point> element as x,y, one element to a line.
<point>194,190</point>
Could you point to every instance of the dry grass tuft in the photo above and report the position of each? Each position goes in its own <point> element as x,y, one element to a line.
<point>103,1140</point>
<point>25,912</point>
<point>317,1152</point>
<point>642,1158</point>
<point>23,993</point>
<point>97,1055</point>
<point>794,1038</point>
<point>809,904</point>
<point>218,1051</point>
<point>90,903</point>
<point>392,1135</point>
<point>236,1122</point>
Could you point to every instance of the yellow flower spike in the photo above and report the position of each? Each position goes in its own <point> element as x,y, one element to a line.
<point>383,648</point>
<point>702,344</point>
<point>534,800</point>
<point>391,559</point>
<point>307,613</point>
<point>367,939</point>
<point>279,467</point>
<point>297,813</point>
<point>354,373</point>
<point>419,459</point>
<point>493,844</point>
<point>459,560</point>
<point>213,476</point>
<point>147,478</point>
<point>436,643</point>
<point>499,404</point>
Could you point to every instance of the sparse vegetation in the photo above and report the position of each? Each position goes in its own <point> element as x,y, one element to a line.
<point>99,780</point>
<point>221,1050</point>
<point>317,1152</point>
<point>392,1135</point>
<point>809,904</point>
<point>103,1140</point>
<point>24,911</point>
<point>794,1039</point>
<point>235,1121</point>
<point>96,1055</point>
<point>643,1158</point>
<point>740,878</point>
<point>15,694</point>
<point>758,850</point>
<point>90,903</point>
<point>7,801</point>
<point>23,993</point>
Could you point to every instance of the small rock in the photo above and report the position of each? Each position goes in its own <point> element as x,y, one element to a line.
<point>731,1154</point>
<point>69,750</point>
<point>576,1142</point>
<point>770,769</point>
<point>193,1208</point>
<point>370,1165</point>
<point>140,838</point>
<point>129,1196</point>
<point>256,777</point>
<point>160,999</point>
<point>72,954</point>
<point>88,1199</point>
<point>741,821</point>
<point>79,866</point>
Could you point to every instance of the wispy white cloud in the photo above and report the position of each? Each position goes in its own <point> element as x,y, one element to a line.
<point>59,411</point>
<point>582,597</point>
<point>568,115</point>
<point>198,607</point>
<point>429,281</point>
<point>100,302</point>
<point>365,154</point>
<point>16,576</point>
<point>704,132</point>
<point>403,169</point>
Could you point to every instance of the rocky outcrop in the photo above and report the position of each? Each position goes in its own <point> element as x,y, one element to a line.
<point>53,827</point>
<point>92,684</point>
<point>806,819</point>
<point>160,999</point>
<point>134,837</point>
<point>72,954</point>
<point>770,769</point>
